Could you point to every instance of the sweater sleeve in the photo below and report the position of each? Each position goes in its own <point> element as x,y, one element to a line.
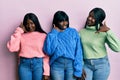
<point>14,43</point>
<point>50,44</point>
<point>78,63</point>
<point>46,66</point>
<point>112,41</point>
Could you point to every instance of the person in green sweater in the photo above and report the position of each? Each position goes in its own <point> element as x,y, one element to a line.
<point>94,36</point>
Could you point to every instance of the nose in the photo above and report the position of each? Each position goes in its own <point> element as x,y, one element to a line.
<point>29,25</point>
<point>89,18</point>
<point>65,23</point>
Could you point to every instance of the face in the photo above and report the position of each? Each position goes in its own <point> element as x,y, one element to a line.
<point>63,25</point>
<point>91,19</point>
<point>30,26</point>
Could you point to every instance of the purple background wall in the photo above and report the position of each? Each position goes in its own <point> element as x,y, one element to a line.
<point>13,11</point>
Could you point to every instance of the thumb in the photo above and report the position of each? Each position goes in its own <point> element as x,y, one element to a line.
<point>21,25</point>
<point>54,26</point>
<point>104,24</point>
<point>97,31</point>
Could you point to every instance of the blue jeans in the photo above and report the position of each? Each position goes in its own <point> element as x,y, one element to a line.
<point>30,68</point>
<point>97,69</point>
<point>62,69</point>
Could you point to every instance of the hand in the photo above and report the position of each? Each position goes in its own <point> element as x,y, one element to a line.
<point>103,28</point>
<point>82,77</point>
<point>56,28</point>
<point>83,74</point>
<point>46,77</point>
<point>23,27</point>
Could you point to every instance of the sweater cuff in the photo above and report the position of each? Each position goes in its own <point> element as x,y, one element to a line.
<point>78,74</point>
<point>19,30</point>
<point>109,32</point>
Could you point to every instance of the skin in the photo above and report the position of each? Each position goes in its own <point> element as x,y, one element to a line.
<point>31,26</point>
<point>91,22</point>
<point>91,19</point>
<point>63,24</point>
<point>103,28</point>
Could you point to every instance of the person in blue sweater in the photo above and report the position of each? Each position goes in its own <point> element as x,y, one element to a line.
<point>63,45</point>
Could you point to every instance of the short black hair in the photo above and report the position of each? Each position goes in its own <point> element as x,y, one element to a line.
<point>60,16</point>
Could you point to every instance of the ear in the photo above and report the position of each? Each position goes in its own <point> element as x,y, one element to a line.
<point>54,26</point>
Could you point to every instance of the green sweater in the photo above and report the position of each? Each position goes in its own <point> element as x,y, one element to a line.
<point>94,43</point>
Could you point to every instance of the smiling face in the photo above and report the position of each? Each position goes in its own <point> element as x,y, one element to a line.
<point>63,25</point>
<point>91,19</point>
<point>61,20</point>
<point>30,26</point>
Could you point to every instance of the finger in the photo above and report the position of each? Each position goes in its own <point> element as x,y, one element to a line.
<point>84,76</point>
<point>53,25</point>
<point>97,31</point>
<point>104,23</point>
<point>21,24</point>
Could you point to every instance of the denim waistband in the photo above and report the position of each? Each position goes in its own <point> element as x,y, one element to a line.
<point>96,61</point>
<point>63,60</point>
<point>31,58</point>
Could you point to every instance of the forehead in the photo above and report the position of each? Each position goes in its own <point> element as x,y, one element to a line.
<point>91,13</point>
<point>65,22</point>
<point>29,20</point>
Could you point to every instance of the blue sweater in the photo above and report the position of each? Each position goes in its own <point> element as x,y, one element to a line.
<point>65,44</point>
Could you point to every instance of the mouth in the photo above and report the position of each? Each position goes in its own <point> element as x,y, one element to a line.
<point>89,22</point>
<point>64,27</point>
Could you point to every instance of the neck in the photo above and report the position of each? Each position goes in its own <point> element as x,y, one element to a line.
<point>58,29</point>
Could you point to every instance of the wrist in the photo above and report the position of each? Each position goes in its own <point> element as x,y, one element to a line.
<point>45,77</point>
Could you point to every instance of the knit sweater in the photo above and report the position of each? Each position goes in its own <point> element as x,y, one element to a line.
<point>29,45</point>
<point>94,43</point>
<point>65,44</point>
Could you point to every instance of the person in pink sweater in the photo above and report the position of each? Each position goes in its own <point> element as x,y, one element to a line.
<point>28,40</point>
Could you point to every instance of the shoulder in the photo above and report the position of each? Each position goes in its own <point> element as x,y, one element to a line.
<point>72,30</point>
<point>39,34</point>
<point>53,32</point>
<point>82,30</point>
<point>43,35</point>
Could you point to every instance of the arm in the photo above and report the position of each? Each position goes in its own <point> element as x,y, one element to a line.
<point>46,66</point>
<point>112,41</point>
<point>14,44</point>
<point>78,58</point>
<point>50,44</point>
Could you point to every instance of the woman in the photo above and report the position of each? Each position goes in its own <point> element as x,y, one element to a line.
<point>63,46</point>
<point>28,40</point>
<point>93,37</point>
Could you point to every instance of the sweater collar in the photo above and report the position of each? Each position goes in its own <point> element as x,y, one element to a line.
<point>92,27</point>
<point>56,31</point>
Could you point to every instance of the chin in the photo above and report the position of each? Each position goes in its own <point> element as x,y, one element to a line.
<point>90,24</point>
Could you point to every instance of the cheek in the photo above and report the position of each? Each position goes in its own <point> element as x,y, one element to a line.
<point>33,26</point>
<point>93,21</point>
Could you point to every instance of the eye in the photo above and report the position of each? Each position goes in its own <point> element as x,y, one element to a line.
<point>31,23</point>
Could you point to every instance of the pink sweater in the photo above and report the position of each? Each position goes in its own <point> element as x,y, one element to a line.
<point>29,45</point>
